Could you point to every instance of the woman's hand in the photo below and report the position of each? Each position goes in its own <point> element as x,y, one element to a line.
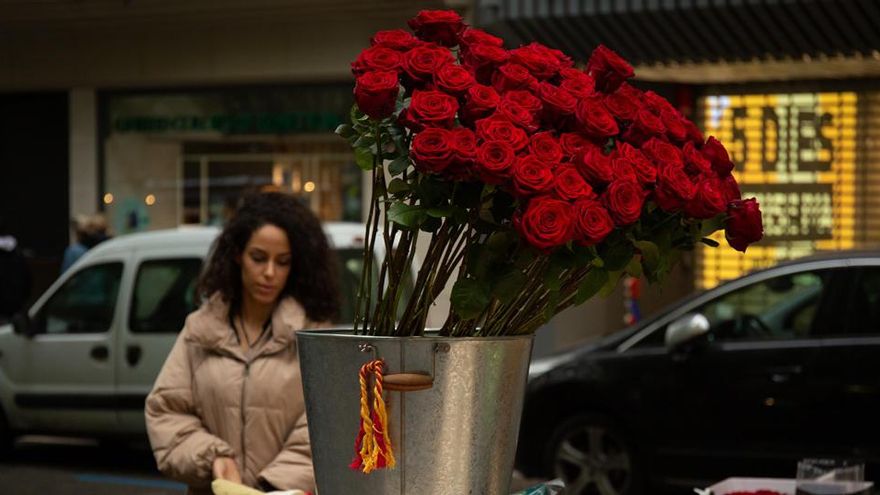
<point>225,469</point>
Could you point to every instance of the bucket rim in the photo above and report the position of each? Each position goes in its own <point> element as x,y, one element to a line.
<point>344,333</point>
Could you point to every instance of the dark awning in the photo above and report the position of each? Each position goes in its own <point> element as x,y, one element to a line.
<point>665,31</point>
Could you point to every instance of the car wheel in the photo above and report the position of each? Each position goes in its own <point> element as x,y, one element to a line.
<point>592,457</point>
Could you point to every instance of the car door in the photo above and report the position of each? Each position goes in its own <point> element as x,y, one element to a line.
<point>66,379</point>
<point>162,295</point>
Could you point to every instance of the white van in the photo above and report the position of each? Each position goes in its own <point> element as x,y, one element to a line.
<point>84,360</point>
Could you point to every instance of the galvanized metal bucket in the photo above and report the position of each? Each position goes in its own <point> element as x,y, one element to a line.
<point>456,437</point>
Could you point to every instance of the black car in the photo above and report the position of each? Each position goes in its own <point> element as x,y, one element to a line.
<point>741,380</point>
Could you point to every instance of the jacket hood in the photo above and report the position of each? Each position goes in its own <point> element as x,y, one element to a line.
<point>209,325</point>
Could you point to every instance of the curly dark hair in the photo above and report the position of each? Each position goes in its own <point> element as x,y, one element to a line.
<point>313,279</point>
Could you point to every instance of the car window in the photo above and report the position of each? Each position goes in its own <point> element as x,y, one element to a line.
<point>85,303</point>
<point>778,308</point>
<point>863,313</point>
<point>164,294</point>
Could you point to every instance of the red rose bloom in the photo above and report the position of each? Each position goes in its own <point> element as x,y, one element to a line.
<point>518,115</point>
<point>674,188</point>
<point>624,200</point>
<point>621,106</point>
<point>570,186</point>
<point>578,83</point>
<point>483,61</point>
<point>422,62</point>
<point>473,36</point>
<point>609,69</point>
<point>453,79</point>
<point>595,120</point>
<point>708,200</point>
<point>375,59</point>
<point>573,144</point>
<point>480,101</point>
<point>645,126</point>
<point>744,225</point>
<point>464,145</point>
<point>438,26</point>
<point>538,59</point>
<point>559,104</point>
<point>396,39</point>
<point>499,129</point>
<point>376,93</point>
<point>431,151</point>
<point>430,109</point>
<point>546,223</point>
<point>717,154</point>
<point>623,169</point>
<point>656,103</point>
<point>513,76</point>
<point>495,161</point>
<point>524,99</point>
<point>693,133</point>
<point>592,222</point>
<point>695,163</point>
<point>662,153</point>
<point>645,170</point>
<point>730,189</point>
<point>531,177</point>
<point>595,167</point>
<point>674,123</point>
<point>544,147</point>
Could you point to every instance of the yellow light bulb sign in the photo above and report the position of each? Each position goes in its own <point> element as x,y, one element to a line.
<point>797,154</point>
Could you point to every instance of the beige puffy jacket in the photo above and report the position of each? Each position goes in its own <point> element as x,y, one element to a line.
<point>211,399</point>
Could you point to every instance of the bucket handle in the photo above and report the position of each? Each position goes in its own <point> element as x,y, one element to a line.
<point>408,381</point>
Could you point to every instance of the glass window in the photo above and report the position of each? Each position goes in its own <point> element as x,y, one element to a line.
<point>864,313</point>
<point>84,304</point>
<point>164,294</point>
<point>778,308</point>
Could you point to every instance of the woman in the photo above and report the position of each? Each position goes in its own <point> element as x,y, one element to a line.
<point>228,402</point>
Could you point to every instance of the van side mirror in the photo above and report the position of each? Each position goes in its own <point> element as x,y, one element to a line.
<point>686,329</point>
<point>21,324</point>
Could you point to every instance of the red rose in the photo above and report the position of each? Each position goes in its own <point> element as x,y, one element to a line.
<point>717,154</point>
<point>453,79</point>
<point>578,83</point>
<point>480,101</point>
<point>696,164</point>
<point>376,93</point>
<point>431,150</point>
<point>645,170</point>
<point>513,76</point>
<point>674,123</point>
<point>730,189</point>
<point>376,58</point>
<point>464,144</point>
<point>743,225</point>
<point>430,109</point>
<point>693,132</point>
<point>573,144</point>
<point>422,62</point>
<point>524,99</point>
<point>621,105</point>
<point>483,60</point>
<point>396,39</point>
<point>624,200</point>
<point>538,59</point>
<point>623,169</point>
<point>674,188</point>
<point>656,103</point>
<point>592,222</point>
<point>595,120</point>
<point>544,147</point>
<point>473,36</point>
<point>570,186</point>
<point>499,129</point>
<point>595,166</point>
<point>531,177</point>
<point>662,153</point>
<point>518,115</point>
<point>546,223</point>
<point>559,104</point>
<point>708,200</point>
<point>495,161</point>
<point>609,69</point>
<point>645,126</point>
<point>438,26</point>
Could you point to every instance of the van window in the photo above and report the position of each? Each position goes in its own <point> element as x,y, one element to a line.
<point>164,294</point>
<point>85,303</point>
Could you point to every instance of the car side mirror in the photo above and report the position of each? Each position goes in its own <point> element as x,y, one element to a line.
<point>686,329</point>
<point>21,324</point>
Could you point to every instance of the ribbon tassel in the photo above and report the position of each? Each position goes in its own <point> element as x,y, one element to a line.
<point>373,444</point>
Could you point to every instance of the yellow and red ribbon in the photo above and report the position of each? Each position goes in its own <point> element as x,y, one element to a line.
<point>373,444</point>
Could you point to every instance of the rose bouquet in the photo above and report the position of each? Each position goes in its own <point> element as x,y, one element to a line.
<point>538,183</point>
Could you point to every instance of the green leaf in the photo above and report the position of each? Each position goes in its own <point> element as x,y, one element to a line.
<point>552,274</point>
<point>509,285</point>
<point>500,242</point>
<point>611,284</point>
<point>398,165</point>
<point>357,115</point>
<point>712,225</point>
<point>650,254</point>
<point>469,298</point>
<point>552,302</point>
<point>364,158</point>
<point>440,212</point>
<point>364,141</point>
<point>430,224</point>
<point>591,284</point>
<point>345,130</point>
<point>406,215</point>
<point>397,186</point>
<point>617,256</point>
<point>709,242</point>
<point>634,268</point>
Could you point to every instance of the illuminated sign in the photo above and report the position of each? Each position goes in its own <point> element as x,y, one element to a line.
<point>796,154</point>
